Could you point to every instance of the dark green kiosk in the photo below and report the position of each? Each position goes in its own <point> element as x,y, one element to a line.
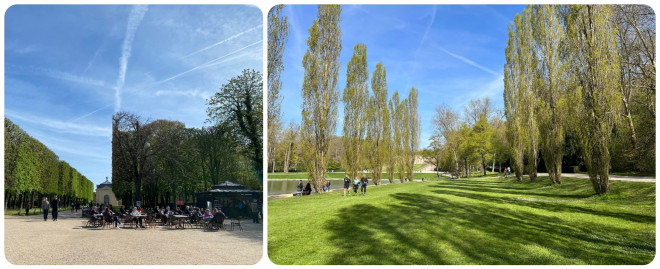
<point>232,198</point>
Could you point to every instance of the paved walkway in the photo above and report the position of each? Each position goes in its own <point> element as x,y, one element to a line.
<point>616,178</point>
<point>31,240</point>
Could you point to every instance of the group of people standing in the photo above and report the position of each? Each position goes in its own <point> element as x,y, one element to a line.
<point>507,171</point>
<point>45,206</point>
<point>362,183</point>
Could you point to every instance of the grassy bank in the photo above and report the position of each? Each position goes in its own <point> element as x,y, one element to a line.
<point>468,221</point>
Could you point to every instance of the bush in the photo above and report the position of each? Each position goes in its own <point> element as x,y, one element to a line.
<point>575,169</point>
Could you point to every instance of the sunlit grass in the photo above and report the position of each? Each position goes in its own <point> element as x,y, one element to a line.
<point>467,221</point>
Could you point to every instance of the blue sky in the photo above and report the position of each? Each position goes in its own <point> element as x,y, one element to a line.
<point>450,53</point>
<point>69,68</point>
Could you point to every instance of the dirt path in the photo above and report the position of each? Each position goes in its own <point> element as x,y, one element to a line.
<point>31,240</point>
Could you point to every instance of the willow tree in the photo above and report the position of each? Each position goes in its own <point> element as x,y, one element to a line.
<point>319,91</point>
<point>512,107</point>
<point>594,48</point>
<point>356,105</point>
<point>551,85</point>
<point>278,34</point>
<point>377,126</point>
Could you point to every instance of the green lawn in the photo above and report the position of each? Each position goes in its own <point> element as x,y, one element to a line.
<point>339,175</point>
<point>467,221</point>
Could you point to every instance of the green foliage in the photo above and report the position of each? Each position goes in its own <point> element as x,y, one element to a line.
<point>378,124</point>
<point>356,107</point>
<point>319,93</point>
<point>239,104</point>
<point>33,170</point>
<point>278,34</point>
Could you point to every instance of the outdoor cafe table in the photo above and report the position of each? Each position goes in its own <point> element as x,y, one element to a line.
<point>179,220</point>
<point>141,216</point>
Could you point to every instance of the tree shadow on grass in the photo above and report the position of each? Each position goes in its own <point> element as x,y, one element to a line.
<point>554,206</point>
<point>425,229</point>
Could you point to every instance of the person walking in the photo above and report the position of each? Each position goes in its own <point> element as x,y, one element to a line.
<point>73,204</point>
<point>356,183</point>
<point>54,205</point>
<point>254,207</point>
<point>347,182</point>
<point>363,185</point>
<point>45,206</point>
<point>27,208</point>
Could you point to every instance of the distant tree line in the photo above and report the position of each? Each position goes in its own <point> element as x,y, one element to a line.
<point>32,171</point>
<point>159,162</point>
<point>581,77</point>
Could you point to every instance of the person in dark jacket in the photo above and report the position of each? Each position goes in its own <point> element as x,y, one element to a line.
<point>308,189</point>
<point>45,206</point>
<point>27,209</point>
<point>54,205</point>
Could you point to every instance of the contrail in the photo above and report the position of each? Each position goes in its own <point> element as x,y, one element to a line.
<point>207,64</point>
<point>468,61</point>
<point>134,19</point>
<point>226,40</point>
<point>90,113</point>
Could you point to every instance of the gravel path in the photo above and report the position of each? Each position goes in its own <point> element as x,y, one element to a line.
<point>31,240</point>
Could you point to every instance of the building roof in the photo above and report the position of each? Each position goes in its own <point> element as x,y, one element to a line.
<point>104,184</point>
<point>228,185</point>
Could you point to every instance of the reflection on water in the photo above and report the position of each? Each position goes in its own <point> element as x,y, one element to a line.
<point>289,186</point>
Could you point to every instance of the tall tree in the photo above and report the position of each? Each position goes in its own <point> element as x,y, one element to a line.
<point>592,34</point>
<point>239,104</point>
<point>377,126</point>
<point>278,34</point>
<point>393,145</point>
<point>551,84</point>
<point>636,42</point>
<point>319,90</point>
<point>413,133</point>
<point>512,100</point>
<point>446,123</point>
<point>355,102</point>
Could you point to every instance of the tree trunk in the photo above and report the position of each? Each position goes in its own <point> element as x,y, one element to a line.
<point>493,163</point>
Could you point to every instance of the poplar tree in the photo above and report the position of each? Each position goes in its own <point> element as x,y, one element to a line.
<point>593,37</point>
<point>278,34</point>
<point>377,124</point>
<point>319,91</point>
<point>512,100</point>
<point>550,85</point>
<point>356,105</point>
<point>413,133</point>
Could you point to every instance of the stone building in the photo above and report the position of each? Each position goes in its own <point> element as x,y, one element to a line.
<point>104,194</point>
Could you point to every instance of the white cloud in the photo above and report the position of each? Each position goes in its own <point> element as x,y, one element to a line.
<point>63,126</point>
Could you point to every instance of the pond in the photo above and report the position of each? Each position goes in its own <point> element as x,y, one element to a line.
<point>283,186</point>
